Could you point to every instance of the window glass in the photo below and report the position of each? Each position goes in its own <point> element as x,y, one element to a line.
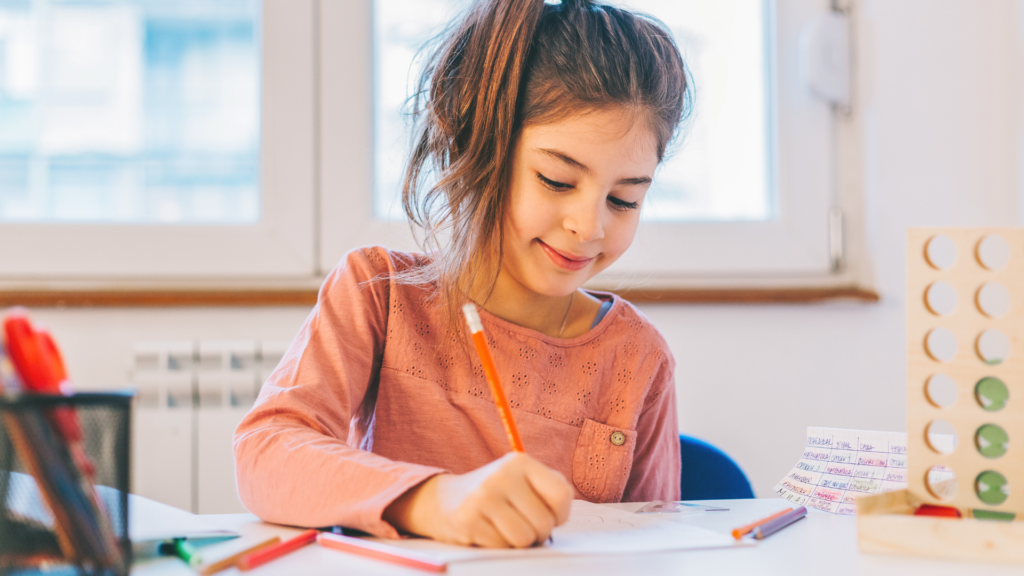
<point>720,172</point>
<point>129,111</point>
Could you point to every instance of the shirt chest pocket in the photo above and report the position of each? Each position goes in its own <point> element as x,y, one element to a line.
<point>602,461</point>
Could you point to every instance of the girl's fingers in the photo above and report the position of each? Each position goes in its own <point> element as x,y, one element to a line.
<point>534,509</point>
<point>552,488</point>
<point>513,527</point>
<point>487,535</point>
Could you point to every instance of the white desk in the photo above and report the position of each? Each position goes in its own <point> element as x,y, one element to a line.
<point>819,544</point>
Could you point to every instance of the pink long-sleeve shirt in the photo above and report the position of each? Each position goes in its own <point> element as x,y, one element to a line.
<point>376,395</point>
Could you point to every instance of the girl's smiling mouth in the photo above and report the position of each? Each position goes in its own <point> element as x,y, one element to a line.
<point>565,260</point>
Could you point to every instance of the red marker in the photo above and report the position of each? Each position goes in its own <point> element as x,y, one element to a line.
<point>261,557</point>
<point>35,357</point>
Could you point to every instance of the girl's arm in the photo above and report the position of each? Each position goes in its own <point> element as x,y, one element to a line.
<point>656,463</point>
<point>296,460</point>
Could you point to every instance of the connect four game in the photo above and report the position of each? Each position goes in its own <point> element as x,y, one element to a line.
<point>965,369</point>
<point>965,401</point>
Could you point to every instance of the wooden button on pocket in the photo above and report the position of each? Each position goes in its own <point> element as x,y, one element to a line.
<point>602,461</point>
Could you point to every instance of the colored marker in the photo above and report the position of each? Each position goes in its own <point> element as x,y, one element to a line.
<point>232,560</point>
<point>383,552</point>
<point>744,530</point>
<point>182,549</point>
<point>768,528</point>
<point>261,557</point>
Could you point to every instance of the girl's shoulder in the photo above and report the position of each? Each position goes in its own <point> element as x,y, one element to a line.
<point>625,324</point>
<point>377,263</point>
<point>370,270</point>
<point>382,260</point>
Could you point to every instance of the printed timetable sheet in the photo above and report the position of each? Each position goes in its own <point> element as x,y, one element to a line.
<point>838,466</point>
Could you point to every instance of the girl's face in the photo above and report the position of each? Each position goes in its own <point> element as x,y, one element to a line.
<point>576,191</point>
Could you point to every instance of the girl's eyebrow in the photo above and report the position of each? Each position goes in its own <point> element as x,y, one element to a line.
<point>572,162</point>
<point>564,159</point>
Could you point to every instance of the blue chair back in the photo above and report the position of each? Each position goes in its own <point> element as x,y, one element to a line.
<point>709,473</point>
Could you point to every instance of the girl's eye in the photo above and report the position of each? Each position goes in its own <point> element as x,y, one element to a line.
<point>558,186</point>
<point>622,205</point>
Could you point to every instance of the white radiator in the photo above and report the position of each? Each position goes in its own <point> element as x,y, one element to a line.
<point>191,397</point>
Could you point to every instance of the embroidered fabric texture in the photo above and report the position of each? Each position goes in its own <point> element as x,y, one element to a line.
<point>595,376</point>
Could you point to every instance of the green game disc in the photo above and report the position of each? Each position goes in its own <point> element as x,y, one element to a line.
<point>991,393</point>
<point>990,515</point>
<point>992,441</point>
<point>992,487</point>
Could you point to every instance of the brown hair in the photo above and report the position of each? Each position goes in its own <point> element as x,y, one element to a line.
<point>504,65</point>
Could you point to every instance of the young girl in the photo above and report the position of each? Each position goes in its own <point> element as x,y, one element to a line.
<point>541,126</point>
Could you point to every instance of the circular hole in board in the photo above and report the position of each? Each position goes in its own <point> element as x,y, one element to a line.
<point>941,436</point>
<point>993,252</point>
<point>991,394</point>
<point>992,441</point>
<point>940,344</point>
<point>993,300</point>
<point>940,252</point>
<point>941,390</point>
<point>992,346</point>
<point>941,482</point>
<point>940,298</point>
<point>992,487</point>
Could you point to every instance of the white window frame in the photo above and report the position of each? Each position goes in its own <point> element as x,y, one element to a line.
<point>281,245</point>
<point>795,245</point>
<point>317,185</point>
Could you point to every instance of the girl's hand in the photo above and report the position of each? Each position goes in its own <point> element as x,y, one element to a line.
<point>513,502</point>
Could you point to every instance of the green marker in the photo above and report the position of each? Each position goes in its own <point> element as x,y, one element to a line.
<point>183,550</point>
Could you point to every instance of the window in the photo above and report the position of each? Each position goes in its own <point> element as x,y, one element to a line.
<point>150,139</point>
<point>130,113</point>
<point>748,193</point>
<point>248,141</point>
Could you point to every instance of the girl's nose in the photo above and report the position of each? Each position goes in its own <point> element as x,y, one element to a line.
<point>584,221</point>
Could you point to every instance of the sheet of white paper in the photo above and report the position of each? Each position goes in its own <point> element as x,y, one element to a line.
<point>150,521</point>
<point>147,520</point>
<point>591,529</point>
<point>838,466</point>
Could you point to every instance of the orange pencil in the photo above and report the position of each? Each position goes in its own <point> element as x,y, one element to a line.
<point>744,530</point>
<point>476,328</point>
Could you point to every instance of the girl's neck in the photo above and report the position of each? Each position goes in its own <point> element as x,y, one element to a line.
<point>555,316</point>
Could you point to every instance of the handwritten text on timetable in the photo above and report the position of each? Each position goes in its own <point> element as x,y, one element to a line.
<point>838,466</point>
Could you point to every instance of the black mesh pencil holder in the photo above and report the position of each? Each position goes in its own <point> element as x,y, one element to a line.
<point>64,476</point>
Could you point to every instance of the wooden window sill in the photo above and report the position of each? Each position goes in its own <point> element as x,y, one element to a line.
<point>307,297</point>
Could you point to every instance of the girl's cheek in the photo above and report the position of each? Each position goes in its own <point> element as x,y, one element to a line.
<point>622,237</point>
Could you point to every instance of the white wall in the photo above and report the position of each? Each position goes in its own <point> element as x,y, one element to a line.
<point>938,83</point>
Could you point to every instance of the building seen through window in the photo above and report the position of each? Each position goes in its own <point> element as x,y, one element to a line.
<point>130,111</point>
